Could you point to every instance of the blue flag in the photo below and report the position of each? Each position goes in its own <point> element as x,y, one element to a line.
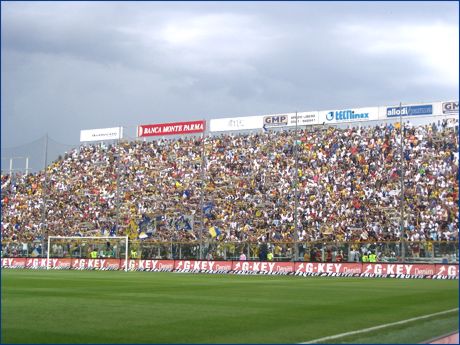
<point>207,209</point>
<point>113,231</point>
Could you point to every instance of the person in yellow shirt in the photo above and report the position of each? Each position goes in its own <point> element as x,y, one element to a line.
<point>365,258</point>
<point>372,257</point>
<point>93,254</point>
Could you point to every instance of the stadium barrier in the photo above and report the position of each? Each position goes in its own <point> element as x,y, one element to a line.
<point>321,251</point>
<point>370,270</point>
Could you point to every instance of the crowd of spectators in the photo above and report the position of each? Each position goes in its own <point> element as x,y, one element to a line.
<point>242,186</point>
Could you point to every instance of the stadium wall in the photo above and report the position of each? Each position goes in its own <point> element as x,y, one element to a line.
<point>384,270</point>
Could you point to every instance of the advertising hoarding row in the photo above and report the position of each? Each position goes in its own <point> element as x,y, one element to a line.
<point>266,122</point>
<point>256,267</point>
<point>333,117</point>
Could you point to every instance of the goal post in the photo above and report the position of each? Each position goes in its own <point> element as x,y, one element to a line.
<point>83,240</point>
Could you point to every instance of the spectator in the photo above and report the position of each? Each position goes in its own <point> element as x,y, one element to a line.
<point>348,189</point>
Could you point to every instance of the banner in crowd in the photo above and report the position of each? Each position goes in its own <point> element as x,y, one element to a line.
<point>349,115</point>
<point>403,270</point>
<point>101,134</point>
<point>173,128</point>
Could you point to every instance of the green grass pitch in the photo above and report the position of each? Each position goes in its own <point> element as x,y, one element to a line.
<point>144,307</point>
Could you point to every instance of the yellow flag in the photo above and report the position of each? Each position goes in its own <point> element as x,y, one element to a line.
<point>132,230</point>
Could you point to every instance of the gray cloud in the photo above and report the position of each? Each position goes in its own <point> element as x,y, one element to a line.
<point>71,66</point>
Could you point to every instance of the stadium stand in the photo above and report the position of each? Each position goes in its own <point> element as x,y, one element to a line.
<point>348,189</point>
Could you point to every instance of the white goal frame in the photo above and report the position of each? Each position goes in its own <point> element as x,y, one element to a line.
<point>87,238</point>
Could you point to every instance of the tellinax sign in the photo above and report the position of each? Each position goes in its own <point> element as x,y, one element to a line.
<point>346,115</point>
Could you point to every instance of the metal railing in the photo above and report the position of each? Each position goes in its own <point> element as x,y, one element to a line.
<point>419,252</point>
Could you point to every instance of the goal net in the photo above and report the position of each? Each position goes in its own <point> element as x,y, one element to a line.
<point>100,247</point>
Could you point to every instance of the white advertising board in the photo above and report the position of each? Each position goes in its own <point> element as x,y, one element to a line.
<point>101,134</point>
<point>290,119</point>
<point>349,115</point>
<point>448,108</point>
<point>263,121</point>
<point>304,118</point>
<point>236,123</point>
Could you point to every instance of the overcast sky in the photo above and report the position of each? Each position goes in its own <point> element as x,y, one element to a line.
<point>68,66</point>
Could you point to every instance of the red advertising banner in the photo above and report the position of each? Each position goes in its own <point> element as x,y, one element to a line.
<point>13,262</point>
<point>438,271</point>
<point>412,269</point>
<point>148,265</point>
<point>446,270</point>
<point>60,263</point>
<point>87,263</point>
<point>193,265</point>
<point>171,128</point>
<point>316,267</point>
<point>268,267</point>
<point>37,262</point>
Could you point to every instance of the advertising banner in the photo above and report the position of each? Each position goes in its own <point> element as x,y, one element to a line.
<point>349,115</point>
<point>386,270</point>
<point>193,265</point>
<point>399,269</point>
<point>149,265</point>
<point>276,120</point>
<point>35,263</point>
<point>236,123</point>
<point>101,134</point>
<point>304,118</point>
<point>446,270</point>
<point>96,264</point>
<point>266,267</point>
<point>450,108</point>
<point>289,119</point>
<point>410,110</point>
<point>317,267</point>
<point>63,264</point>
<point>13,262</point>
<point>173,128</point>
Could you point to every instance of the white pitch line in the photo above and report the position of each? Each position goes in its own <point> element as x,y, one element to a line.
<point>364,330</point>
